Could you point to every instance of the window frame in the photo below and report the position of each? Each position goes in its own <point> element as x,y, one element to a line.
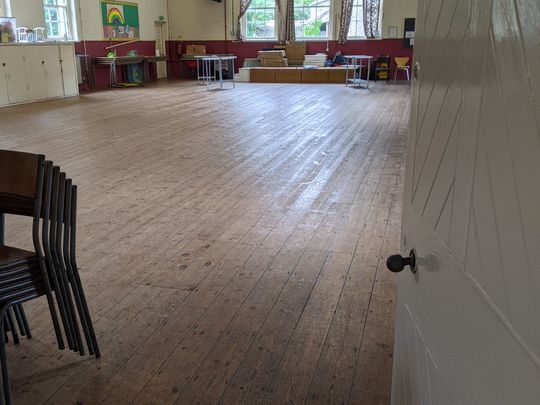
<point>361,6</point>
<point>244,23</point>
<point>67,8</point>
<point>329,29</point>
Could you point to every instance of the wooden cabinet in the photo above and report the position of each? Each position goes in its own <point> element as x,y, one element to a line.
<point>36,72</point>
<point>4,99</point>
<point>14,66</point>
<point>35,75</point>
<point>69,70</point>
<point>53,71</point>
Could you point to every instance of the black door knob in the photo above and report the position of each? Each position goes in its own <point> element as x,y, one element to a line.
<point>397,263</point>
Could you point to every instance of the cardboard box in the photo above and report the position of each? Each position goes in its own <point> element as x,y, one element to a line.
<point>314,75</point>
<point>296,51</point>
<point>288,75</point>
<point>262,75</point>
<point>319,58</point>
<point>195,49</point>
<point>271,54</point>
<point>273,62</point>
<point>317,64</point>
<point>244,74</point>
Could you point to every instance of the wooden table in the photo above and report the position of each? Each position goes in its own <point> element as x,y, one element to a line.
<point>148,60</point>
<point>112,63</point>
<point>355,64</point>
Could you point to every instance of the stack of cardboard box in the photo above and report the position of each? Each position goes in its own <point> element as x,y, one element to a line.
<point>295,53</point>
<point>272,58</point>
<point>315,60</point>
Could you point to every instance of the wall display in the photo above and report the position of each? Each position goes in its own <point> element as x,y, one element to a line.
<point>409,32</point>
<point>8,29</point>
<point>392,31</point>
<point>120,20</point>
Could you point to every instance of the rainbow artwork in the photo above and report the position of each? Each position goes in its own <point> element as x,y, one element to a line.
<point>120,20</point>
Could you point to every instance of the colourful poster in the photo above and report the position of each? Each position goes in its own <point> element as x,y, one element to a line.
<point>120,20</point>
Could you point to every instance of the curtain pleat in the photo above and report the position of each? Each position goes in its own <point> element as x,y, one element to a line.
<point>345,20</point>
<point>244,5</point>
<point>372,13</point>
<point>288,33</point>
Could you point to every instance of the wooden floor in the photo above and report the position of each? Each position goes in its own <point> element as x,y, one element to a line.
<point>231,243</point>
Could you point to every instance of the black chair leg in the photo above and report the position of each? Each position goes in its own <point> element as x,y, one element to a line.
<point>82,316</point>
<point>18,318</point>
<point>12,326</point>
<point>3,363</point>
<point>4,329</point>
<point>20,310</point>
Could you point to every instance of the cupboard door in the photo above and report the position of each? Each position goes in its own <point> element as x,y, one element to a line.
<point>15,73</point>
<point>69,71</point>
<point>37,89</point>
<point>53,71</point>
<point>4,99</point>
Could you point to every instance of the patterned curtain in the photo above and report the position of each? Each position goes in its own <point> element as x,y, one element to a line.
<point>244,5</point>
<point>372,12</point>
<point>289,34</point>
<point>345,20</point>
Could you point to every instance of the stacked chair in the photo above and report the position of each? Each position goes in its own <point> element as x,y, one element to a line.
<point>33,187</point>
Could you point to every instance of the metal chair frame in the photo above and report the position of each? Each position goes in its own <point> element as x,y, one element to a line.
<point>54,268</point>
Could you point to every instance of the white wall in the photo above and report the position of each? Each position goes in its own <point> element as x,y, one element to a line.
<point>204,19</point>
<point>29,13</point>
<point>198,19</point>
<point>394,12</point>
<point>189,19</point>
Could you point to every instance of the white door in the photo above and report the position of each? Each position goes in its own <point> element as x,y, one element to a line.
<point>4,99</point>
<point>160,32</point>
<point>53,71</point>
<point>15,73</point>
<point>35,72</point>
<point>69,70</point>
<point>468,321</point>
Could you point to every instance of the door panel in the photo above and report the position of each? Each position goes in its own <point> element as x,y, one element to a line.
<point>4,99</point>
<point>468,322</point>
<point>35,72</point>
<point>69,70</point>
<point>15,73</point>
<point>53,71</point>
<point>160,33</point>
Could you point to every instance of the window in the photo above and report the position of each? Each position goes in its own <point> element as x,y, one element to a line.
<point>261,20</point>
<point>5,8</point>
<point>57,19</point>
<point>356,29</point>
<point>312,18</point>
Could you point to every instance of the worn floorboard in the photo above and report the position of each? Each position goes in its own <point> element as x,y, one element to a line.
<point>231,243</point>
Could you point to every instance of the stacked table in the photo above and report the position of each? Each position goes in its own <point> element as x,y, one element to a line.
<point>355,64</point>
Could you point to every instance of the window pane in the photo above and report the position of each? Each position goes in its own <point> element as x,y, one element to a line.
<point>260,19</point>
<point>312,18</point>
<point>56,18</point>
<point>54,14</point>
<point>356,29</point>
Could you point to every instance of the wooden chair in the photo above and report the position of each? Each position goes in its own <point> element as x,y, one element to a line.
<point>29,186</point>
<point>401,66</point>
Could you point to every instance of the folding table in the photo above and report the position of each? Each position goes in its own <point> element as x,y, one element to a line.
<point>355,64</point>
